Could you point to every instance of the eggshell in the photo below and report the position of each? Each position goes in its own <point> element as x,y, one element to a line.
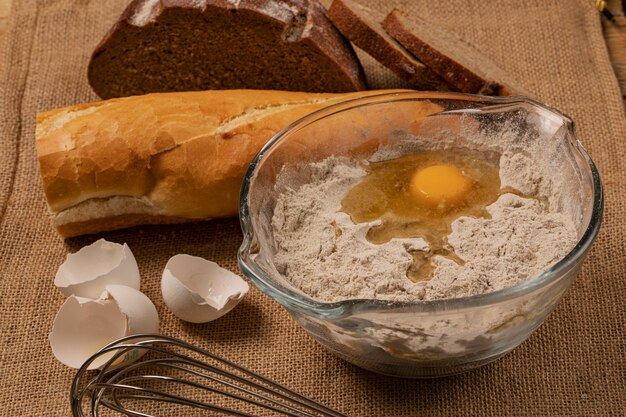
<point>87,272</point>
<point>142,314</point>
<point>83,326</point>
<point>199,291</point>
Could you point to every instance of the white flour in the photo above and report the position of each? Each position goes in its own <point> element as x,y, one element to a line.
<point>323,253</point>
<point>146,13</point>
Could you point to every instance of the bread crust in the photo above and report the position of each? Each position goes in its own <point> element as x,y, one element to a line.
<point>458,62</point>
<point>159,158</point>
<point>121,221</point>
<point>359,24</point>
<point>141,31</point>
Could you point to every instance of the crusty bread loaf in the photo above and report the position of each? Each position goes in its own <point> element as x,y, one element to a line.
<point>363,26</point>
<point>459,63</point>
<point>183,45</point>
<point>159,158</point>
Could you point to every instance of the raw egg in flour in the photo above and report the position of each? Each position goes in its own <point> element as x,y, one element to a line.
<point>420,195</point>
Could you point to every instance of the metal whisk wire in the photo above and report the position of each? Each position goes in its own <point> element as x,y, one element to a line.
<point>114,387</point>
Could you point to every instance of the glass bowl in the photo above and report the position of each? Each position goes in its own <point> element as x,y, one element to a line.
<point>422,338</point>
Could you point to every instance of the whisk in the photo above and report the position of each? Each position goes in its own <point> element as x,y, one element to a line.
<point>175,377</point>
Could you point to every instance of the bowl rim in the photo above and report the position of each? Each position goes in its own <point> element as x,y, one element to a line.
<point>303,303</point>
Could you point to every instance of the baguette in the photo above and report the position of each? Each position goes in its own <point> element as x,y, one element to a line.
<point>159,158</point>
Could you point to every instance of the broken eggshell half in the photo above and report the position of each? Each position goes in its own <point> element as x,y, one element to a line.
<point>87,272</point>
<point>83,326</point>
<point>199,291</point>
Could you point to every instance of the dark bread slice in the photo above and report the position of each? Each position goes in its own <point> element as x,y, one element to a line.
<point>459,63</point>
<point>363,26</point>
<point>180,45</point>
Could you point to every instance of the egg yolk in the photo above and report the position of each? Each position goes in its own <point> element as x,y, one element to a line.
<point>440,186</point>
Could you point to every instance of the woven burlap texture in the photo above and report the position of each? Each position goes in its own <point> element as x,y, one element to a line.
<point>574,365</point>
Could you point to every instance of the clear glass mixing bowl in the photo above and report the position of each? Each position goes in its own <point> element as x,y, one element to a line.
<point>421,338</point>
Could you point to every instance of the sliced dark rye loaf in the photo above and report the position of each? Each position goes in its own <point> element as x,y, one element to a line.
<point>180,45</point>
<point>459,63</point>
<point>363,26</point>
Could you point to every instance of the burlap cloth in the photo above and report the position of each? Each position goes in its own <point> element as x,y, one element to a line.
<point>574,365</point>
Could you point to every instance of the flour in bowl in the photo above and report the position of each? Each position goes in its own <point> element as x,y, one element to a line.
<point>324,254</point>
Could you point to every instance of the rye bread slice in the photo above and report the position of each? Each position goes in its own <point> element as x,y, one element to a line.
<point>180,45</point>
<point>363,26</point>
<point>459,63</point>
